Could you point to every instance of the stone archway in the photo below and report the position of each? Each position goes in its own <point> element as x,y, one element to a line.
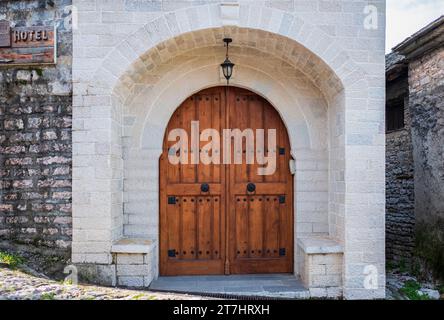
<point>113,131</point>
<point>305,116</point>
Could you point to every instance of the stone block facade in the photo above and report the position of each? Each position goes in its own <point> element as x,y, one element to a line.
<point>35,138</point>
<point>133,260</point>
<point>134,62</point>
<point>320,264</point>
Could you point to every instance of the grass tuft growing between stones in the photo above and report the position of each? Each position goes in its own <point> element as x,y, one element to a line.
<point>441,289</point>
<point>10,260</point>
<point>47,296</point>
<point>143,296</point>
<point>39,72</point>
<point>66,282</point>
<point>429,246</point>
<point>411,290</point>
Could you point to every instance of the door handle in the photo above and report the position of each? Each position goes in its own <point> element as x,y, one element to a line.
<point>204,187</point>
<point>251,187</point>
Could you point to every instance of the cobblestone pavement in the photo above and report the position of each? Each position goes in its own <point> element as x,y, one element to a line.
<point>17,285</point>
<point>396,280</point>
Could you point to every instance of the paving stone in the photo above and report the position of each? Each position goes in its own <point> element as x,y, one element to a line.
<point>283,289</point>
<point>256,289</point>
<point>261,285</point>
<point>17,285</point>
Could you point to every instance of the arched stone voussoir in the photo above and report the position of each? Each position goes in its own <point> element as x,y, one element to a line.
<point>294,57</point>
<point>288,34</point>
<point>165,98</point>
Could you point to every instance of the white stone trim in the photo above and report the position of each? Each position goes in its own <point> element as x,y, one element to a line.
<point>320,245</point>
<point>229,13</point>
<point>127,245</point>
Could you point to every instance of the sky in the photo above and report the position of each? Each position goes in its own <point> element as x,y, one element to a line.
<point>405,17</point>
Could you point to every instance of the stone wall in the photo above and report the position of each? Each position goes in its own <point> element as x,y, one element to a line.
<point>427,109</point>
<point>400,217</point>
<point>35,137</point>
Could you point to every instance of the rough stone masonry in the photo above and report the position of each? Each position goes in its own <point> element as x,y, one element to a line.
<point>400,202</point>
<point>35,137</point>
<point>424,58</point>
<point>427,107</point>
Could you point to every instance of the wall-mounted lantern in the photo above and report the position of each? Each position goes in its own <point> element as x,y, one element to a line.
<point>227,66</point>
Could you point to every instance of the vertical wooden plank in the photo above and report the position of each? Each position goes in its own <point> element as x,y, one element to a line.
<point>255,226</point>
<point>189,230</point>
<point>272,226</point>
<point>216,228</point>
<point>255,122</point>
<point>204,206</point>
<point>173,171</point>
<point>204,115</point>
<point>239,117</point>
<point>283,159</point>
<point>241,227</point>
<point>173,226</point>
<point>272,122</point>
<point>284,224</point>
<point>188,171</point>
<point>217,121</point>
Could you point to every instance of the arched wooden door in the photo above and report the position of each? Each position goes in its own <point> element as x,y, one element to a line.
<point>222,218</point>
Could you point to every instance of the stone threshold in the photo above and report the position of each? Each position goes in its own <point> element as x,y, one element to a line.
<point>257,286</point>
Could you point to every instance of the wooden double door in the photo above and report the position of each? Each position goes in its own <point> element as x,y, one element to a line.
<point>223,218</point>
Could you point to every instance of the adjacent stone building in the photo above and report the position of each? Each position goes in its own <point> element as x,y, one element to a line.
<point>35,137</point>
<point>319,64</point>
<point>415,139</point>
<point>400,203</point>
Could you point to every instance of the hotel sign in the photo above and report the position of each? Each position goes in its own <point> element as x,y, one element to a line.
<point>27,45</point>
